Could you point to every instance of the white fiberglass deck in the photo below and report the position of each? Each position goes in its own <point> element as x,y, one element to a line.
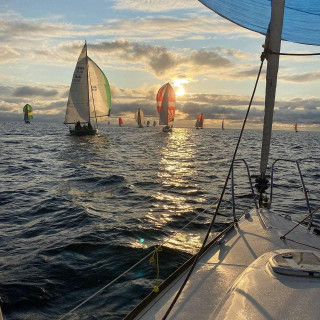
<point>219,268</point>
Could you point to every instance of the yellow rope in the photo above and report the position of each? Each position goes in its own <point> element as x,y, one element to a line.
<point>154,257</point>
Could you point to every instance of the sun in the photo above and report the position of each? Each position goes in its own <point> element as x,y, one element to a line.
<point>178,83</point>
<point>180,92</point>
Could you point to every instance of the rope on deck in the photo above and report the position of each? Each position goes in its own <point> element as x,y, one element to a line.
<point>284,237</point>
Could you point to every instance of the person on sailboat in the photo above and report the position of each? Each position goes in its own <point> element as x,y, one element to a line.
<point>90,126</point>
<point>78,126</point>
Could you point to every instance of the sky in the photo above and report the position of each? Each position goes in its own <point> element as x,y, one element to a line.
<point>140,45</point>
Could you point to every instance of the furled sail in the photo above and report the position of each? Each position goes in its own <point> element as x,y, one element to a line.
<point>166,102</point>
<point>301,20</point>
<point>89,95</point>
<point>27,111</point>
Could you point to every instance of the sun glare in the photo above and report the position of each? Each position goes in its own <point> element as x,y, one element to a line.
<point>180,91</point>
<point>178,83</point>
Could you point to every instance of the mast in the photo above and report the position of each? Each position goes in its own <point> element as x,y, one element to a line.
<point>273,43</point>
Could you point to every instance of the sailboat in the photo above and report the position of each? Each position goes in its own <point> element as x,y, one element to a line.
<point>89,96</point>
<point>166,101</point>
<point>154,123</point>
<point>27,112</point>
<point>120,121</point>
<point>295,127</point>
<point>199,122</point>
<point>222,124</point>
<point>139,116</point>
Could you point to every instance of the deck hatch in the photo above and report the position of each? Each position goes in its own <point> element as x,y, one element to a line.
<point>297,263</point>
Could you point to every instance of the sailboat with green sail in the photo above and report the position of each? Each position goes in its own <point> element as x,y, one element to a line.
<point>89,97</point>
<point>27,112</point>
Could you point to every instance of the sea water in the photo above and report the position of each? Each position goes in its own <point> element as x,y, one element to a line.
<point>76,212</point>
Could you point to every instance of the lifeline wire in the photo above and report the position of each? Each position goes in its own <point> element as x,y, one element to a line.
<point>263,56</point>
<point>132,267</point>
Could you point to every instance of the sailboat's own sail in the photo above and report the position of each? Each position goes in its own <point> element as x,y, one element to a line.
<point>89,95</point>
<point>27,111</point>
<point>166,102</point>
<point>301,20</point>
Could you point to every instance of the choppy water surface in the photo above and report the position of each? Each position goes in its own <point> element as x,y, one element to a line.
<point>76,212</point>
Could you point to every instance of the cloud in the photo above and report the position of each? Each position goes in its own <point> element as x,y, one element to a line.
<point>155,5</point>
<point>302,77</point>
<point>26,91</point>
<point>161,61</point>
<point>16,29</point>
<point>8,54</point>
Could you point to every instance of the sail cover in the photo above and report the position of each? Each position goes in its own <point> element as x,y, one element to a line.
<point>166,102</point>
<point>301,23</point>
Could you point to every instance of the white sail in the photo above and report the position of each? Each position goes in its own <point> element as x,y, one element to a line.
<point>99,93</point>
<point>139,117</point>
<point>164,108</point>
<point>89,95</point>
<point>78,101</point>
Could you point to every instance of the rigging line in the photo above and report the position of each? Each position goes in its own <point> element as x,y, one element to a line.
<point>308,216</point>
<point>132,267</point>
<point>107,285</point>
<point>263,56</point>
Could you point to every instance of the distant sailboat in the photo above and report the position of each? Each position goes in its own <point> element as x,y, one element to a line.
<point>222,124</point>
<point>148,123</point>
<point>154,123</point>
<point>199,122</point>
<point>166,101</point>
<point>120,121</point>
<point>139,116</point>
<point>295,127</point>
<point>27,111</point>
<point>89,96</point>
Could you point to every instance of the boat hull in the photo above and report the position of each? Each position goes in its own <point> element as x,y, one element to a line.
<point>166,129</point>
<point>83,132</point>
